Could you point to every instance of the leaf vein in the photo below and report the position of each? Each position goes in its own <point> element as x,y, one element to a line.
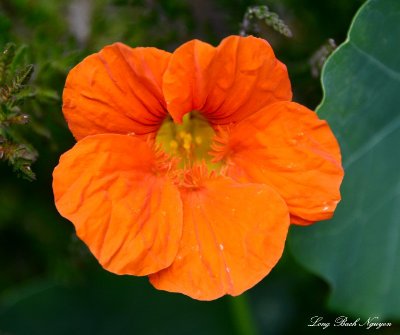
<point>389,71</point>
<point>387,130</point>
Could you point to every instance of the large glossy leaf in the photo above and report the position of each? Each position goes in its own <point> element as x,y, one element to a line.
<point>358,252</point>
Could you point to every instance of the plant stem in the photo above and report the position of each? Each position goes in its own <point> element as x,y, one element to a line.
<point>242,316</point>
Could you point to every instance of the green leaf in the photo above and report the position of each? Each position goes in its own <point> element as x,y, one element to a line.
<point>358,252</point>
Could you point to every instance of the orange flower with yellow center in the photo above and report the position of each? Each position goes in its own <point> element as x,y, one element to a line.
<point>190,166</point>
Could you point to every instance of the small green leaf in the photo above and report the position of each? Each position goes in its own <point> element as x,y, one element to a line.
<point>23,76</point>
<point>6,57</point>
<point>358,251</point>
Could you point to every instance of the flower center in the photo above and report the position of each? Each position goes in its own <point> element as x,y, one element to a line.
<point>189,141</point>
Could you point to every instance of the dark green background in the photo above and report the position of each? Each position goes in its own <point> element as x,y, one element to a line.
<point>49,283</point>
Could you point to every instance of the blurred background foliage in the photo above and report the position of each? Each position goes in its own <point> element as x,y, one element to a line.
<point>49,283</point>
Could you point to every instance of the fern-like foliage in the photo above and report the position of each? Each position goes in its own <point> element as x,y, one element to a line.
<point>255,14</point>
<point>13,93</point>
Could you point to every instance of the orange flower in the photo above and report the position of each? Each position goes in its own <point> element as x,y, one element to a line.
<point>189,166</point>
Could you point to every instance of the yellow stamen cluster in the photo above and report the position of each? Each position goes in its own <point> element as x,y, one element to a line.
<point>182,144</point>
<point>189,141</point>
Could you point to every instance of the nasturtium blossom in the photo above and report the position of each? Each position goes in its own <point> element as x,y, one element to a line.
<point>190,166</point>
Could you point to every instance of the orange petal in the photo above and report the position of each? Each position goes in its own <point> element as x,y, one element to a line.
<point>226,83</point>
<point>233,235</point>
<point>129,216</point>
<point>117,90</point>
<point>299,221</point>
<point>188,77</point>
<point>287,147</point>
